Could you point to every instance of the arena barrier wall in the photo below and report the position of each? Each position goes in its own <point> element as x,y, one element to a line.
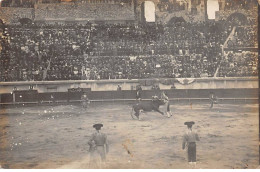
<point>13,14</point>
<point>32,96</point>
<point>127,84</point>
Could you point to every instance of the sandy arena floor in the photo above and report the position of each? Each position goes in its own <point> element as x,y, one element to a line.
<point>57,136</point>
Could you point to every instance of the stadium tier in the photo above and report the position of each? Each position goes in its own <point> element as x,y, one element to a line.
<point>72,50</point>
<point>124,51</point>
<point>12,15</point>
<point>84,11</point>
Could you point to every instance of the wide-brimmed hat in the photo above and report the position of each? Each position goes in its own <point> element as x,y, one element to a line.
<point>189,123</point>
<point>97,126</point>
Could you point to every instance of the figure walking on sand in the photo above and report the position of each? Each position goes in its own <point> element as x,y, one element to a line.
<point>98,148</point>
<point>167,102</point>
<point>84,100</point>
<point>189,142</point>
<point>213,99</point>
<point>139,93</point>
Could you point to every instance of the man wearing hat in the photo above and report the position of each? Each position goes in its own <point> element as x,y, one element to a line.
<point>189,141</point>
<point>98,147</point>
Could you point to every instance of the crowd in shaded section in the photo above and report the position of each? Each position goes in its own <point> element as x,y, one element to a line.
<point>240,4</point>
<point>21,4</point>
<point>80,10</point>
<point>171,6</point>
<point>245,36</point>
<point>120,51</point>
<point>86,11</point>
<point>239,64</point>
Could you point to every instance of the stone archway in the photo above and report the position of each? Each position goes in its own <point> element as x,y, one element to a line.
<point>237,18</point>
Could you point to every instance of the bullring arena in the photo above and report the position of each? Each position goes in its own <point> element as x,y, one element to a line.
<point>47,134</point>
<point>119,54</point>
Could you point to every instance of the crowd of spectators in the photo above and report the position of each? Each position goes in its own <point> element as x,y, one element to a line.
<point>22,4</point>
<point>170,6</point>
<point>239,64</point>
<point>125,67</point>
<point>98,11</point>
<point>238,4</point>
<point>120,51</point>
<point>245,37</point>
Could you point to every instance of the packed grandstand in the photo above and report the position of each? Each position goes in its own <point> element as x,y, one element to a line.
<point>94,51</point>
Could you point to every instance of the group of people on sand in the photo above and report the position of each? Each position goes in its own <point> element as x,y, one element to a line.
<point>98,142</point>
<point>99,147</point>
<point>212,98</point>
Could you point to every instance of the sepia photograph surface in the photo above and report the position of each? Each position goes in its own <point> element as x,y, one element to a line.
<point>129,84</point>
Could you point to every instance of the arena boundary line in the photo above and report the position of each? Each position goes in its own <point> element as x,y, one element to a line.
<point>124,100</point>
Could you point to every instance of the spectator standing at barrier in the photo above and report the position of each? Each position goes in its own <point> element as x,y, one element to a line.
<point>173,86</point>
<point>119,88</point>
<point>213,99</point>
<point>139,93</point>
<point>84,100</point>
<point>52,98</point>
<point>189,142</point>
<point>98,148</point>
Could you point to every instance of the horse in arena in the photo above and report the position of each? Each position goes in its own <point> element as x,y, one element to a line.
<point>149,106</point>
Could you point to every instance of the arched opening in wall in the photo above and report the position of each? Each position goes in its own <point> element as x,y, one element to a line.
<point>237,18</point>
<point>148,12</point>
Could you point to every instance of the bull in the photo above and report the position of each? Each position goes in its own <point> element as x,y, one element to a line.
<point>149,106</point>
